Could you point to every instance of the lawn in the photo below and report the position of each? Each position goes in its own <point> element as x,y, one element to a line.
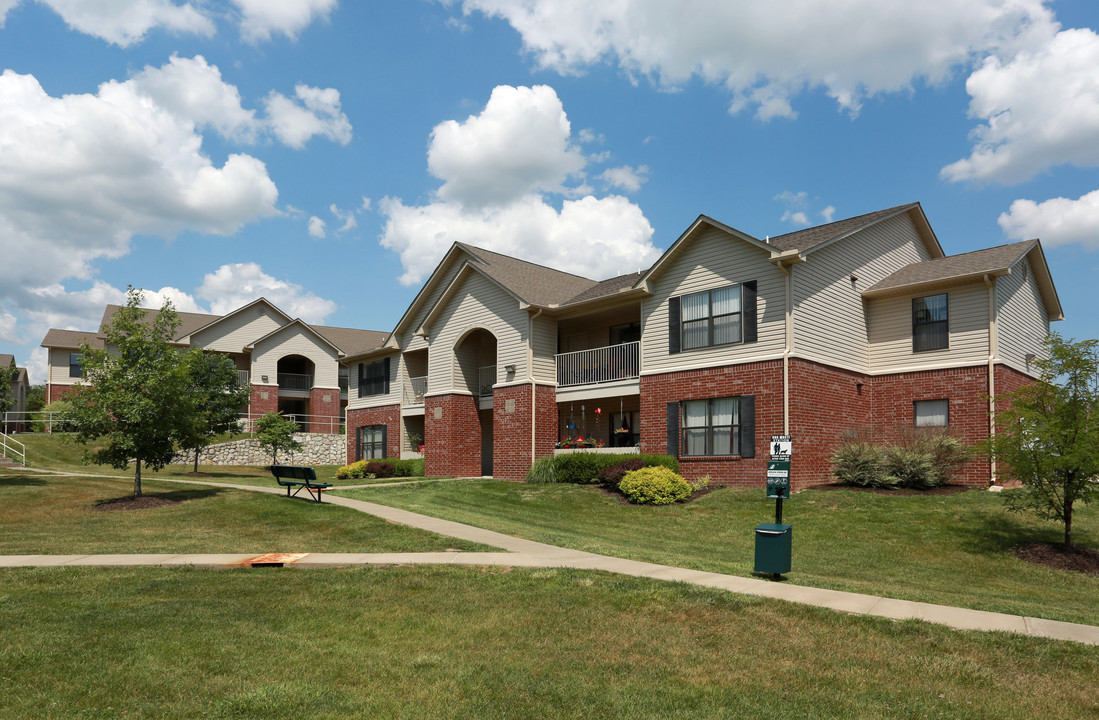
<point>492,643</point>
<point>51,515</point>
<point>945,549</point>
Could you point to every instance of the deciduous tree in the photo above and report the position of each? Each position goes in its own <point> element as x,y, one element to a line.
<point>276,433</point>
<point>213,400</point>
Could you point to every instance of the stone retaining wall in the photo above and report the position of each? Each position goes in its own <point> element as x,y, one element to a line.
<point>317,449</point>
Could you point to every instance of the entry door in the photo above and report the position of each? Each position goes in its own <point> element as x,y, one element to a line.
<point>486,442</point>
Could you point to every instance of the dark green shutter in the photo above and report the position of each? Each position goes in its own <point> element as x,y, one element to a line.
<point>749,311</point>
<point>361,365</point>
<point>673,429</point>
<point>386,376</point>
<point>385,430</point>
<point>748,426</point>
<point>673,326</point>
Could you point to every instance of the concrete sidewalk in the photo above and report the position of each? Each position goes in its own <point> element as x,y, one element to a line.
<point>527,553</point>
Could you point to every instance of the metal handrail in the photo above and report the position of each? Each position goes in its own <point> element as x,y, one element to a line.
<point>486,378</point>
<point>295,381</point>
<point>7,446</point>
<point>415,391</point>
<point>244,377</point>
<point>317,423</point>
<point>599,365</point>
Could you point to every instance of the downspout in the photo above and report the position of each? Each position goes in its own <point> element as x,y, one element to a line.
<point>993,352</point>
<point>533,386</point>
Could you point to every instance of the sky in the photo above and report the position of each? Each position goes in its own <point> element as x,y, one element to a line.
<point>324,154</point>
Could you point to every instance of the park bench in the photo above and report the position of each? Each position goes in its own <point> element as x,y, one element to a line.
<point>300,477</point>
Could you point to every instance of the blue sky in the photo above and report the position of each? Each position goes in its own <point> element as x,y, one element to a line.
<point>325,154</point>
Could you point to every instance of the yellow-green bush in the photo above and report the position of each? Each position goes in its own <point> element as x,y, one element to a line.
<point>354,470</point>
<point>654,486</point>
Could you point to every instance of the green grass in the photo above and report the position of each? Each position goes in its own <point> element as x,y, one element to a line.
<point>450,642</point>
<point>945,549</point>
<point>51,515</point>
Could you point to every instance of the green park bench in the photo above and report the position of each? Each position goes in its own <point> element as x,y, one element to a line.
<point>290,476</point>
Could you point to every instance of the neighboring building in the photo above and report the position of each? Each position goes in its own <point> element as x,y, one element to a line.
<point>293,367</point>
<point>20,384</point>
<point>726,340</point>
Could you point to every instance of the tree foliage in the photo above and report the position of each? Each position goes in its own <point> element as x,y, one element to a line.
<point>213,400</point>
<point>7,397</point>
<point>36,398</point>
<point>133,406</point>
<point>1048,437</point>
<point>276,433</point>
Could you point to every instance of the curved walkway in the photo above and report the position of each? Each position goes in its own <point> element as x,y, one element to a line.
<point>527,553</point>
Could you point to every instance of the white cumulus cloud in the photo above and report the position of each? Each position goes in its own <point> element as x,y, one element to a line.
<point>625,177</point>
<point>317,227</point>
<point>260,19</point>
<point>1060,221</point>
<point>234,285</point>
<point>317,112</point>
<point>853,49</point>
<point>1041,109</point>
<point>126,22</point>
<point>520,143</point>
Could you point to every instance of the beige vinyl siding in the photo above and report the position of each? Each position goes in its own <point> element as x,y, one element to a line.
<point>594,331</point>
<point>233,333</point>
<point>476,303</point>
<point>545,348</point>
<point>829,318</point>
<point>891,331</point>
<point>59,367</point>
<point>1022,319</point>
<point>393,397</point>
<point>296,340</point>
<point>409,340</point>
<point>713,260</point>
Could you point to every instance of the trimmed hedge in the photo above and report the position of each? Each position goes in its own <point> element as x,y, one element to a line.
<point>654,486</point>
<point>584,468</point>
<point>381,469</point>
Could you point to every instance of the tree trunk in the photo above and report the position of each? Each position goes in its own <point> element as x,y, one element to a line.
<point>137,479</point>
<point>1068,523</point>
<point>196,460</point>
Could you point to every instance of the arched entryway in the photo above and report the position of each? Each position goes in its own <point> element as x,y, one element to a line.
<point>295,378</point>
<point>475,372</point>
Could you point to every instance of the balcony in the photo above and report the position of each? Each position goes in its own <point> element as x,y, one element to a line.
<point>486,378</point>
<point>244,377</point>
<point>600,365</point>
<point>415,390</point>
<point>295,381</point>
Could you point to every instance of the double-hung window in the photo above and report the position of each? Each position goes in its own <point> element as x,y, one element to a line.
<point>711,317</point>
<point>711,427</point>
<point>76,368</point>
<point>930,323</point>
<point>374,378</point>
<point>371,442</point>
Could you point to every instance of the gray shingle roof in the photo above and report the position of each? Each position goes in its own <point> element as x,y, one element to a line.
<point>6,360</point>
<point>350,341</point>
<point>188,322</point>
<point>72,339</point>
<point>990,260</point>
<point>534,284</point>
<point>607,287</point>
<point>809,238</point>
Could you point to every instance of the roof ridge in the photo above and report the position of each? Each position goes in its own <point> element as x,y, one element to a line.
<point>476,249</point>
<point>883,211</point>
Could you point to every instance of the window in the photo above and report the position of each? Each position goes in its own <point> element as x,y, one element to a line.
<point>630,332</point>
<point>930,329</point>
<point>76,368</point>
<point>374,378</point>
<point>931,413</point>
<point>371,442</point>
<point>711,427</point>
<point>711,317</point>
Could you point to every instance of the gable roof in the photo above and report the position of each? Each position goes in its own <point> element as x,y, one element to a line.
<point>533,284</point>
<point>701,222</point>
<point>72,339</point>
<point>814,238</point>
<point>215,319</point>
<point>297,322</point>
<point>6,360</point>
<point>972,267</point>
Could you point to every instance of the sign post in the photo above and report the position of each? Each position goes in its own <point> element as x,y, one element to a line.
<point>773,541</point>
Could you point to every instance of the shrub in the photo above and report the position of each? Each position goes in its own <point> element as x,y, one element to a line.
<point>408,468</point>
<point>859,462</point>
<point>613,475</point>
<point>584,468</point>
<point>700,484</point>
<point>543,471</point>
<point>57,406</point>
<point>354,470</point>
<point>947,455</point>
<point>654,486</point>
<point>908,467</point>
<point>379,468</point>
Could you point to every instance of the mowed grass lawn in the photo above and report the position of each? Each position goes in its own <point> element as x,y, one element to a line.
<point>945,549</point>
<point>491,643</point>
<point>55,515</point>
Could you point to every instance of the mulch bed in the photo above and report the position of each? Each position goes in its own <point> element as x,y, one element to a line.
<point>145,502</point>
<point>941,490</point>
<point>1056,555</point>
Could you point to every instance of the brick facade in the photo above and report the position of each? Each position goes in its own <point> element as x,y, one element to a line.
<point>763,380</point>
<point>452,431</point>
<point>324,406</point>
<point>265,399</point>
<point>824,403</point>
<point>58,392</point>
<point>511,408</point>
<point>388,415</point>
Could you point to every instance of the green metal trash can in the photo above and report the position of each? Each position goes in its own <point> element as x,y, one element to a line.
<point>773,543</point>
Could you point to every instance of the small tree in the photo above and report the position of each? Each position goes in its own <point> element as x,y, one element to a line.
<point>276,433</point>
<point>214,398</point>
<point>1048,438</point>
<point>133,400</point>
<point>36,398</point>
<point>7,397</point>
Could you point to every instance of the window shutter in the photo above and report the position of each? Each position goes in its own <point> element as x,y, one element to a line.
<point>748,426</point>
<point>387,375</point>
<point>359,434</point>
<point>673,326</point>
<point>673,429</point>
<point>361,365</point>
<point>385,428</point>
<point>749,311</point>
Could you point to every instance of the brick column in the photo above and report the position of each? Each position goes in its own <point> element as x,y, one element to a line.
<point>324,406</point>
<point>511,409</point>
<point>452,436</point>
